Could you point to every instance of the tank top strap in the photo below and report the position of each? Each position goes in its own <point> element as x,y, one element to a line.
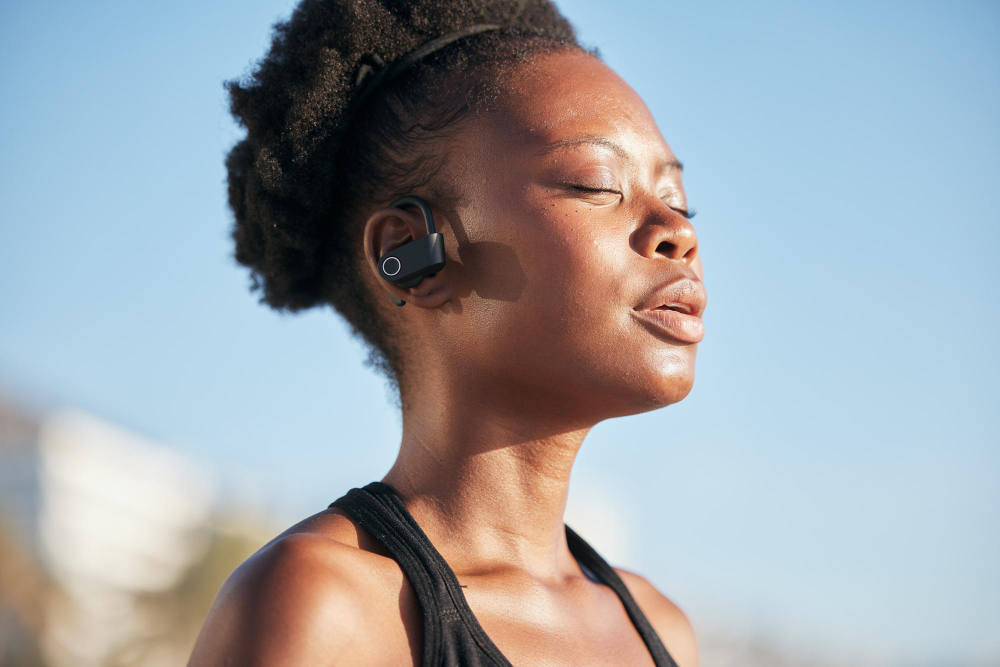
<point>452,635</point>
<point>588,558</point>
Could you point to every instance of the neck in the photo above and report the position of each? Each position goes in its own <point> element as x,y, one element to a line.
<point>489,489</point>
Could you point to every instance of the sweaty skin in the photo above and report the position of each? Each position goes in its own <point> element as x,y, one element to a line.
<point>515,350</point>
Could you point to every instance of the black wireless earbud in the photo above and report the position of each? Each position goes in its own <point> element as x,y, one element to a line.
<point>407,265</point>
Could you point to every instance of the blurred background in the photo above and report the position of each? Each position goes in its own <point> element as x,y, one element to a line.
<point>826,495</point>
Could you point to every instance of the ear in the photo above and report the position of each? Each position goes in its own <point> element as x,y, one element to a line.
<point>388,228</point>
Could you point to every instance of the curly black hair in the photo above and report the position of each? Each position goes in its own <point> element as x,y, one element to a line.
<point>302,178</point>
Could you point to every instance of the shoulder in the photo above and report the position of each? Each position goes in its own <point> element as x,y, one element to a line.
<point>669,621</point>
<point>279,603</point>
<point>306,598</point>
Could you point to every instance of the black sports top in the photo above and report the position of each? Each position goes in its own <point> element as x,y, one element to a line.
<point>452,635</point>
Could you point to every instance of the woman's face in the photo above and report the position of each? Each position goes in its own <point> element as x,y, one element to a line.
<point>546,277</point>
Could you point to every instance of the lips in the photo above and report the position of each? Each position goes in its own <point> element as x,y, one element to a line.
<point>679,307</point>
<point>672,324</point>
<point>681,295</point>
<point>673,311</point>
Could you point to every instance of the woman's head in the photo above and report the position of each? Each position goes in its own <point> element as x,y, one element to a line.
<point>500,133</point>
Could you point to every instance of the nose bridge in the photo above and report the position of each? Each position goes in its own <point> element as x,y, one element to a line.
<point>665,232</point>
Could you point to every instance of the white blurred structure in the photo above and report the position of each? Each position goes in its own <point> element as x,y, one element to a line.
<point>114,517</point>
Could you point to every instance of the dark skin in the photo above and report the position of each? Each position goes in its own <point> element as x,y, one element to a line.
<point>518,347</point>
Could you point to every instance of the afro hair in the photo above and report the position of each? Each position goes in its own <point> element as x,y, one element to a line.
<point>310,166</point>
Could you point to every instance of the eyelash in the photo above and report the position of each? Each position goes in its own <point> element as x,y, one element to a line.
<point>687,214</point>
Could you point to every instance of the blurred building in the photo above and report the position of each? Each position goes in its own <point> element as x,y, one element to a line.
<point>120,518</point>
<point>101,535</point>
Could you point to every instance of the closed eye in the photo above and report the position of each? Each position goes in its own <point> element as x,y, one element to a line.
<point>684,212</point>
<point>586,189</point>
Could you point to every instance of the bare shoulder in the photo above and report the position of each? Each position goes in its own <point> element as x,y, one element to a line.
<point>669,621</point>
<point>311,596</point>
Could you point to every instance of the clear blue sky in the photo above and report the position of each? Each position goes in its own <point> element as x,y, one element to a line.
<point>834,470</point>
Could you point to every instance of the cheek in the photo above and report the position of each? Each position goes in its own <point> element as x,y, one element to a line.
<point>572,304</point>
<point>573,266</point>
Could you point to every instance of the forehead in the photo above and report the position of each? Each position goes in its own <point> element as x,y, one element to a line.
<point>572,99</point>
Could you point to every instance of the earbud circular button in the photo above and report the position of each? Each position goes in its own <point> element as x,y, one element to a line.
<point>385,266</point>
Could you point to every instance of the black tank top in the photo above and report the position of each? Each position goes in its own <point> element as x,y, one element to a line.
<point>452,635</point>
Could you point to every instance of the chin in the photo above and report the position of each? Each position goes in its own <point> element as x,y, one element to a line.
<point>662,390</point>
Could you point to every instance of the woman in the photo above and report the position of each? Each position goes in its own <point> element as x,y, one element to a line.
<point>570,293</point>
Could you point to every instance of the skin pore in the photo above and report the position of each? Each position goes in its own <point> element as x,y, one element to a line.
<point>515,350</point>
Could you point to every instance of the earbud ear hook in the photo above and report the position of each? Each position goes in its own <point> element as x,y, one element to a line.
<point>408,264</point>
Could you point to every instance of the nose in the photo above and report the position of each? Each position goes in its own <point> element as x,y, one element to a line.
<point>668,233</point>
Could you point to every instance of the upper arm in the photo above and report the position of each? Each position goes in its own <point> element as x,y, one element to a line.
<point>279,606</point>
<point>671,624</point>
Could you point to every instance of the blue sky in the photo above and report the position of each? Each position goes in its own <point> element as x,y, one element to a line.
<point>833,472</point>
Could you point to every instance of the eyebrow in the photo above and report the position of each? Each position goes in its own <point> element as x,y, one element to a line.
<point>600,140</point>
